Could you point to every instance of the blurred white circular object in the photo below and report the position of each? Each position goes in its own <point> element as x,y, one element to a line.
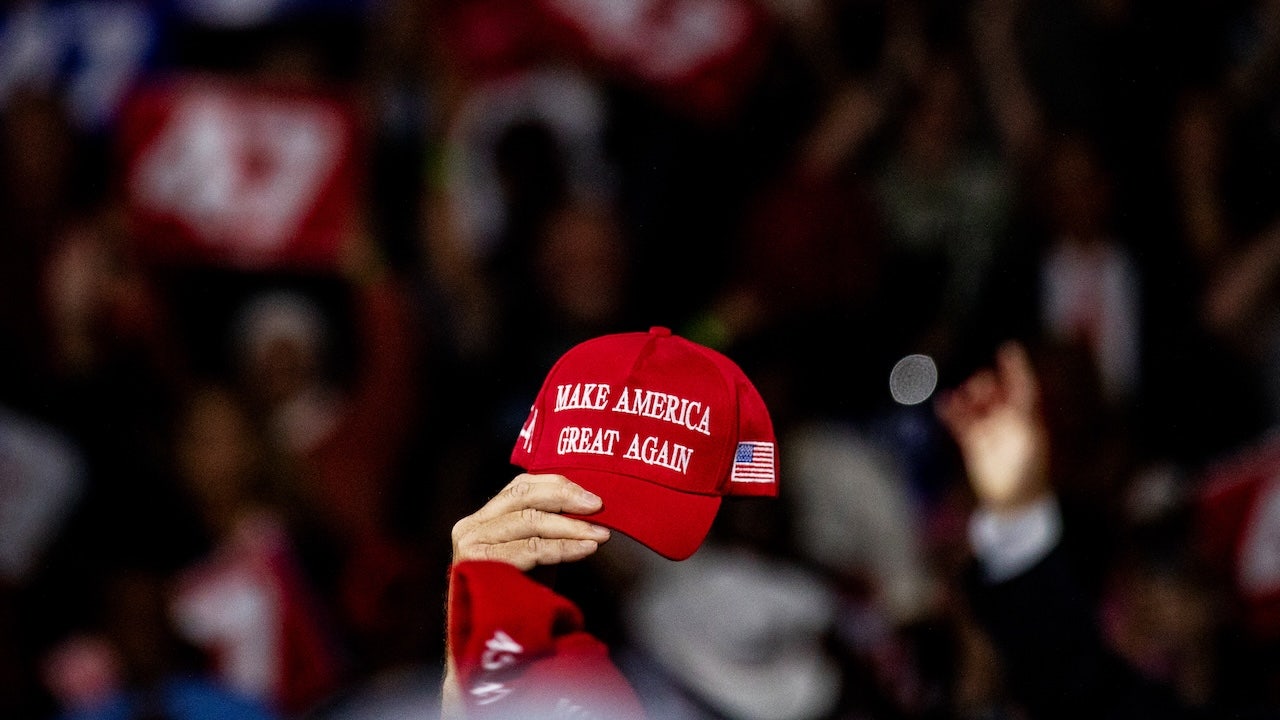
<point>913,379</point>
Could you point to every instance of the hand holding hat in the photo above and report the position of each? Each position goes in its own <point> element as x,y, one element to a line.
<point>639,432</point>
<point>643,433</point>
<point>658,426</point>
<point>522,525</point>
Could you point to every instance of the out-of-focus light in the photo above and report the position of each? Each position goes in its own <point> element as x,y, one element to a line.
<point>913,379</point>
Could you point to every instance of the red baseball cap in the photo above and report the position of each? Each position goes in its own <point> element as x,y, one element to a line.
<point>659,427</point>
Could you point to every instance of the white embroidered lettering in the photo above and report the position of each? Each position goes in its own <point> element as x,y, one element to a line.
<point>663,453</point>
<point>500,651</point>
<point>526,432</point>
<point>582,396</point>
<point>691,414</point>
<point>586,440</point>
<point>490,692</point>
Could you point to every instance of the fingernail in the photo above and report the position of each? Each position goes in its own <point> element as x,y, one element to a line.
<point>589,496</point>
<point>600,532</point>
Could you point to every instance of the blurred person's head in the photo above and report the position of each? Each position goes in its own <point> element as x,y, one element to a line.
<point>1164,611</point>
<point>939,114</point>
<point>82,672</point>
<point>280,344</point>
<point>1077,188</point>
<point>531,169</point>
<point>94,292</point>
<point>219,454</point>
<point>581,265</point>
<point>132,646</point>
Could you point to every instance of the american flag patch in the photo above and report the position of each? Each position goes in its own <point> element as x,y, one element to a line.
<point>753,463</point>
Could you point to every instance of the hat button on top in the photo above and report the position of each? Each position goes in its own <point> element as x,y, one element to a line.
<point>660,331</point>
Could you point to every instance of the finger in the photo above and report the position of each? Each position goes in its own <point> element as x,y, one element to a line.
<point>535,523</point>
<point>530,552</point>
<point>549,493</point>
<point>1017,376</point>
<point>980,391</point>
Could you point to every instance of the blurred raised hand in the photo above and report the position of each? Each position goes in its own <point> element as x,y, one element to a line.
<point>995,418</point>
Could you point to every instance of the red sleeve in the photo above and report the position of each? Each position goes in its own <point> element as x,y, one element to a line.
<point>357,460</point>
<point>521,651</point>
<point>309,669</point>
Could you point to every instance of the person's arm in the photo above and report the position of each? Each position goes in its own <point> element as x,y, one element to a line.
<point>356,463</point>
<point>994,417</point>
<point>522,527</point>
<point>1011,98</point>
<point>520,651</point>
<point>1023,590</point>
<point>1242,286</point>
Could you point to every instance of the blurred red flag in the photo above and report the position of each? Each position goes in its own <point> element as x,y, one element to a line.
<point>699,57</point>
<point>231,173</point>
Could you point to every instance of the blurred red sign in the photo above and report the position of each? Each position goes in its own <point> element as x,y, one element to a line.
<point>699,56</point>
<point>234,174</point>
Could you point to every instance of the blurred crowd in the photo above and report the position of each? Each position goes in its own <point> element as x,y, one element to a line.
<point>279,281</point>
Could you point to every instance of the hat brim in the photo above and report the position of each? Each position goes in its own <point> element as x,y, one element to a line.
<point>669,522</point>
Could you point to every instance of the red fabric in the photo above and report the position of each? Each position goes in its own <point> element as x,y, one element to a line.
<point>309,665</point>
<point>491,38</point>
<point>232,173</point>
<point>656,425</point>
<point>813,241</point>
<point>520,651</point>
<point>353,467</point>
<point>1238,524</point>
<point>698,57</point>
